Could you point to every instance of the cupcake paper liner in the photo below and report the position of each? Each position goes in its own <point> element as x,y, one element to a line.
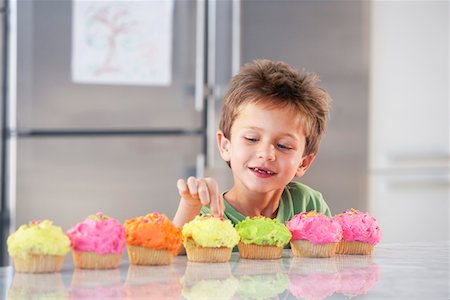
<point>355,247</point>
<point>146,256</point>
<point>305,248</point>
<point>252,251</point>
<point>36,263</point>
<point>92,260</point>
<point>205,254</point>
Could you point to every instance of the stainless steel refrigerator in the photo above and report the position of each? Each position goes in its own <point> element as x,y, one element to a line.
<point>116,148</point>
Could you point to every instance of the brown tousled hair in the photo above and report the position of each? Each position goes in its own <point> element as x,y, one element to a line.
<point>278,85</point>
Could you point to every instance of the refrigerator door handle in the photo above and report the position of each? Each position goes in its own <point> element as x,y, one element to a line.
<point>211,84</point>
<point>200,56</point>
<point>235,36</point>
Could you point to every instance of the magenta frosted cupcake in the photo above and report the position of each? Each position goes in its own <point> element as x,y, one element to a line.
<point>314,234</point>
<point>97,242</point>
<point>360,232</point>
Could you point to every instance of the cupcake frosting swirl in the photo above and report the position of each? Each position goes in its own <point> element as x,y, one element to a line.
<point>98,233</point>
<point>38,237</point>
<point>207,231</point>
<point>263,231</point>
<point>154,231</point>
<point>314,227</point>
<point>359,226</point>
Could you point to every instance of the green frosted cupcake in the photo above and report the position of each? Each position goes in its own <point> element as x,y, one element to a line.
<point>262,238</point>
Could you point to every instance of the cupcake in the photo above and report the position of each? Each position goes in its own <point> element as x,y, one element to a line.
<point>262,238</point>
<point>360,232</point>
<point>314,234</point>
<point>152,240</point>
<point>209,239</point>
<point>38,247</point>
<point>97,242</point>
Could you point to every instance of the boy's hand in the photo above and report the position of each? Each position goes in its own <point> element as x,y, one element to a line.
<point>204,191</point>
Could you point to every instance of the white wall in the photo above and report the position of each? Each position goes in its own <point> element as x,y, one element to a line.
<point>409,120</point>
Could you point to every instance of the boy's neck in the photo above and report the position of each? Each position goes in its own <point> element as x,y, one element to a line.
<point>253,204</point>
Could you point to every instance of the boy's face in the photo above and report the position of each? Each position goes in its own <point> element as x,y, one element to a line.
<point>266,148</point>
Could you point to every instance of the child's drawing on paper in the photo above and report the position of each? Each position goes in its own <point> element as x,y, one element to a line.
<point>122,42</point>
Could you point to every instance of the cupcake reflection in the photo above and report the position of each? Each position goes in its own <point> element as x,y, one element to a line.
<point>262,286</point>
<point>199,282</point>
<point>37,286</point>
<point>313,286</point>
<point>315,279</point>
<point>258,267</point>
<point>156,282</point>
<point>96,284</point>
<point>260,279</point>
<point>359,274</point>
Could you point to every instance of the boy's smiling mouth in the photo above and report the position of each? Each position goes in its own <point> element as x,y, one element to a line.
<point>262,172</point>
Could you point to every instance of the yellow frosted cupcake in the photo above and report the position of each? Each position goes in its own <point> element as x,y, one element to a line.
<point>209,239</point>
<point>38,247</point>
<point>262,238</point>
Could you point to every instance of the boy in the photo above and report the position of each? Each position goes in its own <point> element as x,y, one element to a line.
<point>273,118</point>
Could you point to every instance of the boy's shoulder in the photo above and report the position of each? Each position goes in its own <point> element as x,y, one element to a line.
<point>299,198</point>
<point>302,189</point>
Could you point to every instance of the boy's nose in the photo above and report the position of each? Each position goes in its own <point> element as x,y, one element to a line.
<point>266,152</point>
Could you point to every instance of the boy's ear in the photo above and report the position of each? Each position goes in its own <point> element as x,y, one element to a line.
<point>224,146</point>
<point>305,164</point>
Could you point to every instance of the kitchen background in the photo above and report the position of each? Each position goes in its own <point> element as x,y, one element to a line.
<point>77,141</point>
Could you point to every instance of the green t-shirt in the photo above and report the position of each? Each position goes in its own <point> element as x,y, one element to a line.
<point>296,198</point>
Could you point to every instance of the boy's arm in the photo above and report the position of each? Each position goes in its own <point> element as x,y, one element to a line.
<point>186,212</point>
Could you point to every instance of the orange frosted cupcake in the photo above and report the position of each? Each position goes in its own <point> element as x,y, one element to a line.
<point>152,240</point>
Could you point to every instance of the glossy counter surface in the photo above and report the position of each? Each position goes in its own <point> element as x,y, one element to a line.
<point>393,271</point>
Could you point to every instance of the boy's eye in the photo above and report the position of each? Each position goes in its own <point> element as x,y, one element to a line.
<point>251,139</point>
<point>283,147</point>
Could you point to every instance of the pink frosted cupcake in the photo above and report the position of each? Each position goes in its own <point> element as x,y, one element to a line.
<point>314,234</point>
<point>360,232</point>
<point>97,242</point>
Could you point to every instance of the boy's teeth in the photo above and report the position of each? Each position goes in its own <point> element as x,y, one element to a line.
<point>263,171</point>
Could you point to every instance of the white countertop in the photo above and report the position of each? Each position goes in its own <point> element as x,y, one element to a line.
<point>393,271</point>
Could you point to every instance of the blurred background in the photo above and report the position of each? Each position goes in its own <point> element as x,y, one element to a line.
<point>107,103</point>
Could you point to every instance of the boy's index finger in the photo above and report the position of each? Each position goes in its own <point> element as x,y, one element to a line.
<point>203,193</point>
<point>215,206</point>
